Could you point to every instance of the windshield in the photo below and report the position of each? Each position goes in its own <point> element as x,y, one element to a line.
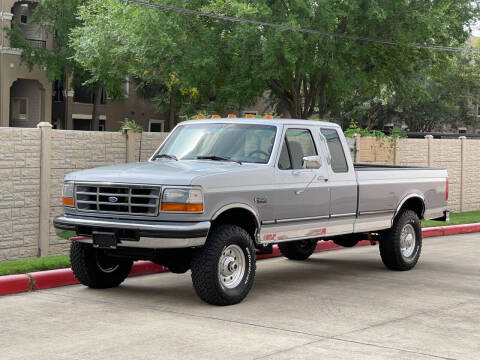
<point>228,142</point>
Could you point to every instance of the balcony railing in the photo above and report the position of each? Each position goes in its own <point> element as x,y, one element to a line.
<point>42,44</point>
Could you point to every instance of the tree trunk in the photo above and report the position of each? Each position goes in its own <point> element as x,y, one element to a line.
<point>97,99</point>
<point>171,118</point>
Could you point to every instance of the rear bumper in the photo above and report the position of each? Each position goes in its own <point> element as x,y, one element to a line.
<point>445,217</point>
<point>139,234</point>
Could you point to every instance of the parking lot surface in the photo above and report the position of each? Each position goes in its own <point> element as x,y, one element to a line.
<point>339,304</point>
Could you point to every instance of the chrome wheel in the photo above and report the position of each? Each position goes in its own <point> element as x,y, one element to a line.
<point>407,241</point>
<point>231,266</point>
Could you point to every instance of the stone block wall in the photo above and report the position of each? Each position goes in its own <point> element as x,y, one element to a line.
<point>19,192</point>
<point>20,179</point>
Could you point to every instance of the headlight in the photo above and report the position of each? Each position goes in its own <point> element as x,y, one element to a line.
<point>182,200</point>
<point>67,193</point>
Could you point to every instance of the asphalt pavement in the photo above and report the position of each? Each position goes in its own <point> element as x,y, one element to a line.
<point>340,304</point>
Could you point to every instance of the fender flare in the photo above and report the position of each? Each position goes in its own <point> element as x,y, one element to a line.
<point>408,197</point>
<point>243,206</point>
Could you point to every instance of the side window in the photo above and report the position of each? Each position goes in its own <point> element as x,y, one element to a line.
<point>339,162</point>
<point>298,143</point>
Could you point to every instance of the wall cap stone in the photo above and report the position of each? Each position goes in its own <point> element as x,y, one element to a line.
<point>44,124</point>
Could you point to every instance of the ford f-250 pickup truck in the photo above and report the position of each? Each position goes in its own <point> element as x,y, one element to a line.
<point>217,191</point>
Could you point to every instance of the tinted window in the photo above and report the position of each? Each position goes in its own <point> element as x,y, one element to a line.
<point>339,163</point>
<point>298,144</point>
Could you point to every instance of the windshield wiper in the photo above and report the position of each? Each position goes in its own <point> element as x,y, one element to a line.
<point>217,158</point>
<point>173,157</point>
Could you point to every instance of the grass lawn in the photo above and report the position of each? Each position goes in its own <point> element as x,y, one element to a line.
<point>62,261</point>
<point>456,219</point>
<point>34,264</point>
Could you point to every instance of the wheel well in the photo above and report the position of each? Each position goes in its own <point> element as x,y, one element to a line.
<point>240,217</point>
<point>416,204</point>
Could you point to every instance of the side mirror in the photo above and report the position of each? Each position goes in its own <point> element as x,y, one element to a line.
<point>312,162</point>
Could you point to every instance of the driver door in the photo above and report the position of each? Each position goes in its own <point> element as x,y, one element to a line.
<point>301,193</point>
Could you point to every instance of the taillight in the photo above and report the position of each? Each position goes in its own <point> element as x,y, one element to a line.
<point>446,191</point>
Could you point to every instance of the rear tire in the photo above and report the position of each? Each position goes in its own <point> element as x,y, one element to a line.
<point>94,269</point>
<point>224,269</point>
<point>298,250</point>
<point>401,245</point>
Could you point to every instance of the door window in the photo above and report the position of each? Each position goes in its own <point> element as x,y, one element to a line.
<point>297,144</point>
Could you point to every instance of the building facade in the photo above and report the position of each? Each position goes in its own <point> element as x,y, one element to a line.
<point>27,97</point>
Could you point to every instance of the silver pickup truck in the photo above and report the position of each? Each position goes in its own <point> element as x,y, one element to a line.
<point>216,192</point>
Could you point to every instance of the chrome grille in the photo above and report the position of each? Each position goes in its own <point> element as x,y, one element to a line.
<point>119,199</point>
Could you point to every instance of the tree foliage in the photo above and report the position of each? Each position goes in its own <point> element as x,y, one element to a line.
<point>192,62</point>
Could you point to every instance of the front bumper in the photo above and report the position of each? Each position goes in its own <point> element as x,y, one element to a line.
<point>139,234</point>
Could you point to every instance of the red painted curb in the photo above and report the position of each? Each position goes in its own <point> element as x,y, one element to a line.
<point>433,231</point>
<point>146,267</point>
<point>52,278</point>
<point>451,230</point>
<point>13,284</point>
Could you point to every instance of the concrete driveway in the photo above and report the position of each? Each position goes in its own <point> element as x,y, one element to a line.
<point>337,305</point>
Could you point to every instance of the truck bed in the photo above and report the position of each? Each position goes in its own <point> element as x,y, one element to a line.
<point>380,187</point>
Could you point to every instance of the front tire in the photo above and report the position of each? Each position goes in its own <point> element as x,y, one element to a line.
<point>224,269</point>
<point>298,250</point>
<point>94,269</point>
<point>401,245</point>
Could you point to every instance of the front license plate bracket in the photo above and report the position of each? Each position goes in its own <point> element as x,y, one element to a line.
<point>104,240</point>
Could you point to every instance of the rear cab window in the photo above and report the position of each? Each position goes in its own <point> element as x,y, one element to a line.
<point>339,161</point>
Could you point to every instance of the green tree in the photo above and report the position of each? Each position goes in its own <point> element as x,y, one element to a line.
<point>227,65</point>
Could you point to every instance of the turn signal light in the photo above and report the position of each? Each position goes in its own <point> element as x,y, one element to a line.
<point>66,201</point>
<point>182,207</point>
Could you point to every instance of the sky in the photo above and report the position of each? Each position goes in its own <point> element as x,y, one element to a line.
<point>476,30</point>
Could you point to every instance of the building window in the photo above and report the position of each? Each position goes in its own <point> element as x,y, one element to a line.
<point>24,13</point>
<point>462,130</point>
<point>101,125</point>
<point>81,124</point>
<point>19,108</point>
<point>156,125</point>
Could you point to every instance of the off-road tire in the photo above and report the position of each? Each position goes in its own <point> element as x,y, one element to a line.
<point>346,242</point>
<point>298,250</point>
<point>390,243</point>
<point>205,266</point>
<point>85,262</point>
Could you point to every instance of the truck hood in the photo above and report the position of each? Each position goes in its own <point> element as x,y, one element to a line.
<point>162,172</point>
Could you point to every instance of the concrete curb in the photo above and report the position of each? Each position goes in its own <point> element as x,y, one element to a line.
<point>13,284</point>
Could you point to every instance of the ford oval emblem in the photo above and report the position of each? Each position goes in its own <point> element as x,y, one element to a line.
<point>113,199</point>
